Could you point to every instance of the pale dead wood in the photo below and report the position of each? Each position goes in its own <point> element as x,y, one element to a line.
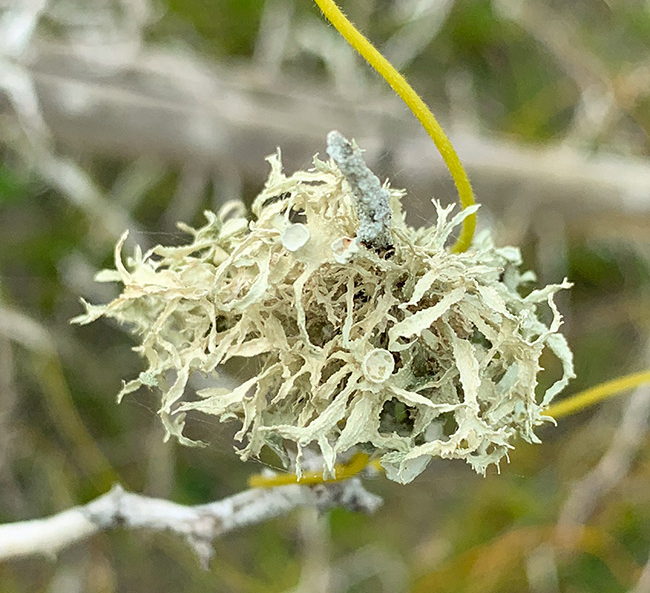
<point>180,109</point>
<point>198,525</point>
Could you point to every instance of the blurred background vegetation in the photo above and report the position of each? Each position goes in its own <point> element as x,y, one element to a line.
<point>135,114</point>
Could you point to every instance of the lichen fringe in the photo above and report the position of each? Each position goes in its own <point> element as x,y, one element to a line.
<point>406,355</point>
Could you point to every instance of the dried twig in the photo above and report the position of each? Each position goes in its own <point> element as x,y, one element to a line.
<point>34,143</point>
<point>273,35</point>
<point>422,21</point>
<point>612,468</point>
<point>600,105</point>
<point>371,200</point>
<point>237,117</point>
<point>198,525</point>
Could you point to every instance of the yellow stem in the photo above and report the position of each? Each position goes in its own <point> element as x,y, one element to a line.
<point>593,395</point>
<point>398,83</point>
<point>360,461</point>
<point>342,472</point>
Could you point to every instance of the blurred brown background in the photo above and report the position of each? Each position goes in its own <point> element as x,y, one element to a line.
<point>135,114</point>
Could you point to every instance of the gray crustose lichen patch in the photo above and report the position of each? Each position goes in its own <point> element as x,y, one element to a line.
<point>412,354</point>
<point>371,200</point>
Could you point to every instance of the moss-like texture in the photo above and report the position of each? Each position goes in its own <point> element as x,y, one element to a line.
<point>410,353</point>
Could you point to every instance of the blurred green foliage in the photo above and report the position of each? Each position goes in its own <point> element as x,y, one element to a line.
<point>228,27</point>
<point>15,185</point>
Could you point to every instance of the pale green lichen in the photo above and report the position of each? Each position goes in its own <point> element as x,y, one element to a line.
<point>412,354</point>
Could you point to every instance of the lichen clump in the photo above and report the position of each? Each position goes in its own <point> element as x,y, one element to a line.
<point>409,353</point>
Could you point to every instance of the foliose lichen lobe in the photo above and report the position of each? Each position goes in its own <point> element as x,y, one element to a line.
<point>417,354</point>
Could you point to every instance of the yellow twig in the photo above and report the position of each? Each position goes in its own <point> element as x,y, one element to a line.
<point>593,395</point>
<point>398,83</point>
<point>358,462</point>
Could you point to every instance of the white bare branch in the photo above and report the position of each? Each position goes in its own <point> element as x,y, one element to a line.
<point>422,21</point>
<point>179,108</point>
<point>199,525</point>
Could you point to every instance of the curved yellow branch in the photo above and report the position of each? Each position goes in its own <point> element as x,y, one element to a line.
<point>342,472</point>
<point>593,395</point>
<point>398,83</point>
<point>566,407</point>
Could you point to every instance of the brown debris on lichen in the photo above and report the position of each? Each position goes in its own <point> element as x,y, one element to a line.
<point>421,354</point>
